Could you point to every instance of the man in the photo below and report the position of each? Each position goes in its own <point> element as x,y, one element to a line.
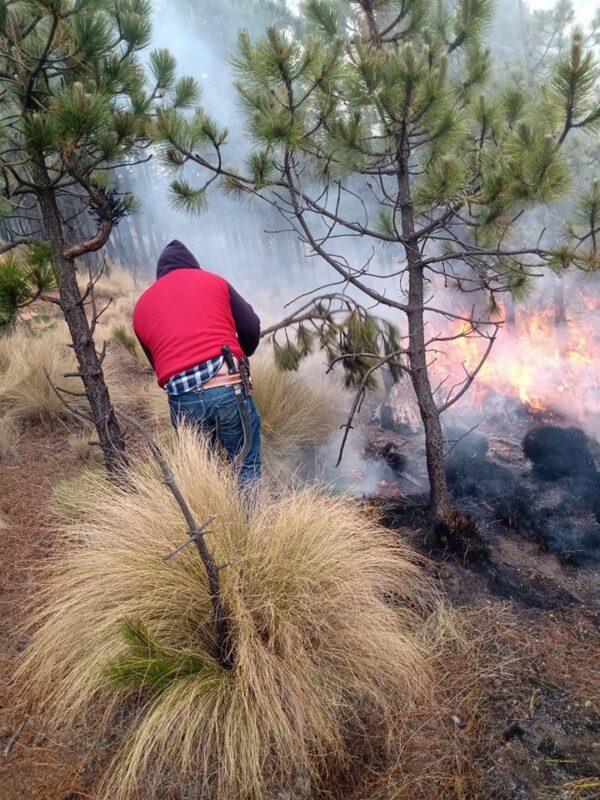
<point>196,330</point>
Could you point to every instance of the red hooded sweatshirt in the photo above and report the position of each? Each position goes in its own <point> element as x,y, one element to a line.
<point>188,314</point>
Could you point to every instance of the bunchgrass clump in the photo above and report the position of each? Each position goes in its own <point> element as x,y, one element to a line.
<point>71,497</point>
<point>325,613</point>
<point>298,411</point>
<point>30,365</point>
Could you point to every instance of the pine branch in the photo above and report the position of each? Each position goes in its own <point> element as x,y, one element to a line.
<point>5,247</point>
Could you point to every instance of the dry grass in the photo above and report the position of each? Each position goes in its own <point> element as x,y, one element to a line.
<point>450,753</point>
<point>119,285</point>
<point>71,497</point>
<point>299,413</point>
<point>81,445</point>
<point>326,665</point>
<point>25,392</point>
<point>10,433</point>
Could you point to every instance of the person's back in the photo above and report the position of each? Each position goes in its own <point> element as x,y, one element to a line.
<point>188,321</point>
<point>185,318</point>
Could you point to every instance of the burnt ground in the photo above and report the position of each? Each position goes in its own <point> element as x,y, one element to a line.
<point>530,570</point>
<point>517,706</point>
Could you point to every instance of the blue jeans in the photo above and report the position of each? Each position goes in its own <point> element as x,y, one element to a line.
<point>215,412</point>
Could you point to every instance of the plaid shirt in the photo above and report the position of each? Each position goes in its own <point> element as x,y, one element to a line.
<point>194,377</point>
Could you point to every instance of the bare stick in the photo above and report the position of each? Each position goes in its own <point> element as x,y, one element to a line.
<point>203,531</point>
<point>14,738</point>
<point>220,617</point>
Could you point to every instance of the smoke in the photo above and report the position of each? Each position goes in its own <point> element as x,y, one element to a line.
<point>584,10</point>
<point>245,242</point>
<point>240,240</point>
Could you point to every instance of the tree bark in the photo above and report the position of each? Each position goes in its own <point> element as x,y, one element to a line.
<point>417,352</point>
<point>72,306</point>
<point>374,34</point>
<point>559,305</point>
<point>510,319</point>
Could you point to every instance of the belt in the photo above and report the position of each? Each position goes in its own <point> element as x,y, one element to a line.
<point>220,380</point>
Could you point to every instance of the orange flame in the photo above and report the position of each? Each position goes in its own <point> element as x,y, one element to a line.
<point>540,363</point>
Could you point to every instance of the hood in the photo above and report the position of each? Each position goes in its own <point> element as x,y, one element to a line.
<point>175,256</point>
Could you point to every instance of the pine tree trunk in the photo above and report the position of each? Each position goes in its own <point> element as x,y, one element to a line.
<point>510,320</point>
<point>71,303</point>
<point>417,352</point>
<point>559,304</point>
<point>434,439</point>
<point>128,256</point>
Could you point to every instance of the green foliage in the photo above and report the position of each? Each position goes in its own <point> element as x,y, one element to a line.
<point>470,20</point>
<point>185,198</point>
<point>14,291</point>
<point>287,357</point>
<point>205,131</point>
<point>537,171</point>
<point>78,114</point>
<point>520,285</point>
<point>163,67</point>
<point>40,131</point>
<point>587,209</point>
<point>386,223</point>
<point>23,278</point>
<point>148,664</point>
<point>40,270</point>
<point>513,104</point>
<point>260,168</point>
<point>323,14</point>
<point>561,258</point>
<point>133,19</point>
<point>186,93</point>
<point>445,182</point>
<point>390,120</point>
<point>574,83</point>
<point>305,340</point>
<point>359,344</point>
<point>81,100</point>
<point>123,338</point>
<point>90,35</point>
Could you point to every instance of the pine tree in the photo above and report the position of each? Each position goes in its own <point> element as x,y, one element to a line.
<point>386,123</point>
<point>76,102</point>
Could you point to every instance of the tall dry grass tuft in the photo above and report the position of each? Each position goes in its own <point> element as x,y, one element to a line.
<point>25,361</point>
<point>299,412</point>
<point>116,286</point>
<point>327,663</point>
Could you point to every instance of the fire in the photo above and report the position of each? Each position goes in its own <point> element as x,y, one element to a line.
<point>544,365</point>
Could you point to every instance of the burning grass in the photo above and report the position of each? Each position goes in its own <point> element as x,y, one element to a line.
<point>325,662</point>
